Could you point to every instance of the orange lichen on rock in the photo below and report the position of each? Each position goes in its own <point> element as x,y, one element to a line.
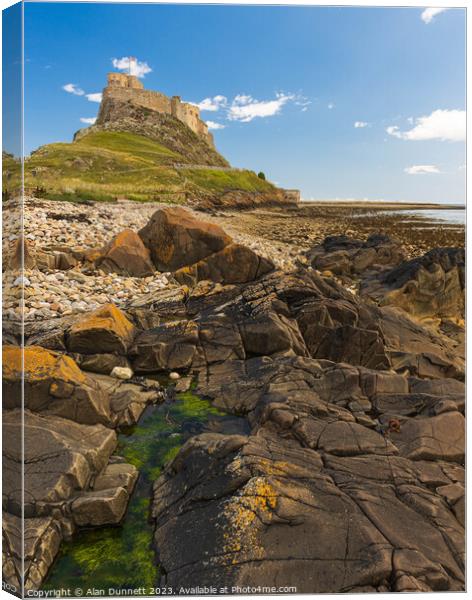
<point>255,503</point>
<point>39,364</point>
<point>105,330</point>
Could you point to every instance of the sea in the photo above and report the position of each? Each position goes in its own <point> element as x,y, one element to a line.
<point>453,216</point>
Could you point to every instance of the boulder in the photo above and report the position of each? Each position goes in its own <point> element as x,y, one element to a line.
<point>101,363</point>
<point>116,475</point>
<point>53,385</point>
<point>167,347</point>
<point>175,238</point>
<point>99,508</point>
<point>47,260</point>
<point>127,255</point>
<point>234,264</point>
<point>104,330</point>
<point>128,400</point>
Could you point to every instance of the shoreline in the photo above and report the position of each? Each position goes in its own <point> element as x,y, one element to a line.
<point>283,236</point>
<point>375,205</point>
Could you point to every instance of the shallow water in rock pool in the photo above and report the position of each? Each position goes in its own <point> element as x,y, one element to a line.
<point>123,557</point>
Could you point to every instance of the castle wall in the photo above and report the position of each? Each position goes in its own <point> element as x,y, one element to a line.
<point>145,98</point>
<point>128,88</point>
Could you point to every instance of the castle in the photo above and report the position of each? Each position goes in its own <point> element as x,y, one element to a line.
<point>129,88</point>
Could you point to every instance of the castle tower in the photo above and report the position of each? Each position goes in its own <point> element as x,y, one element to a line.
<point>122,80</point>
<point>124,87</point>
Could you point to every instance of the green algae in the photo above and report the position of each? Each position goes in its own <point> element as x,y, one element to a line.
<point>123,557</point>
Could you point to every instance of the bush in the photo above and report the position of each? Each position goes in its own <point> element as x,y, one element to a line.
<point>261,175</point>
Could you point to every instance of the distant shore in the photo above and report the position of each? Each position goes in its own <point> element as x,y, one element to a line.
<point>380,205</point>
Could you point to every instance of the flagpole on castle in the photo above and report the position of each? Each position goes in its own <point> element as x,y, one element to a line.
<point>131,58</point>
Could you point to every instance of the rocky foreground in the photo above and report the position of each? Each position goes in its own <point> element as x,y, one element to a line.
<point>347,360</point>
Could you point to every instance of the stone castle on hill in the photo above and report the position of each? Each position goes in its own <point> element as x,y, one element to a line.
<point>125,88</point>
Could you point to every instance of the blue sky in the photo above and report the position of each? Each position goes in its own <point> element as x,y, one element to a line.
<point>290,85</point>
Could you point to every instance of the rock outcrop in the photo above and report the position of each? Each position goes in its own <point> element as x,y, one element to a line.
<point>234,264</point>
<point>431,286</point>
<point>67,484</point>
<point>350,257</point>
<point>320,496</point>
<point>352,476</point>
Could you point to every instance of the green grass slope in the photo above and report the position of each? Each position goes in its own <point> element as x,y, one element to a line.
<point>106,165</point>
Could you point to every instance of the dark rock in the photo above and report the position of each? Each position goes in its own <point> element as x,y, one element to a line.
<point>104,330</point>
<point>431,286</point>
<point>100,363</point>
<point>168,347</point>
<point>325,494</point>
<point>233,264</point>
<point>347,256</point>
<point>350,480</point>
<point>67,482</point>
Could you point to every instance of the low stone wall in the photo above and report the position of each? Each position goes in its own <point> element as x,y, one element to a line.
<point>206,167</point>
<point>292,195</point>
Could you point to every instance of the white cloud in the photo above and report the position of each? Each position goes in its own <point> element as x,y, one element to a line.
<point>72,88</point>
<point>303,102</point>
<point>361,124</point>
<point>246,108</point>
<point>429,13</point>
<point>422,169</point>
<point>131,65</point>
<point>242,99</point>
<point>213,104</point>
<point>445,125</point>
<point>97,97</point>
<point>88,120</point>
<point>213,125</point>
<point>331,105</point>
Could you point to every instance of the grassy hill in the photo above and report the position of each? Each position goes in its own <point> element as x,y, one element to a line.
<point>104,165</point>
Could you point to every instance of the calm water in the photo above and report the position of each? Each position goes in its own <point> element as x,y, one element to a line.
<point>123,557</point>
<point>452,216</point>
